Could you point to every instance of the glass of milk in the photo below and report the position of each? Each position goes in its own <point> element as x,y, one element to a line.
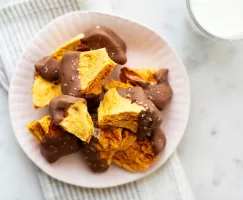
<point>218,19</point>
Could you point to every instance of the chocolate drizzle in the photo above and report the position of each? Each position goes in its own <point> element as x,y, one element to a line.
<point>158,140</point>
<point>53,148</point>
<point>48,68</point>
<point>102,37</point>
<point>59,105</point>
<point>150,118</point>
<point>69,75</point>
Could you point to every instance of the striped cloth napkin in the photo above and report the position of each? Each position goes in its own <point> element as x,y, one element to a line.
<point>20,22</point>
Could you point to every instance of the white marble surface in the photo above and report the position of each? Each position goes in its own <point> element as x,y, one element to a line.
<point>211,151</point>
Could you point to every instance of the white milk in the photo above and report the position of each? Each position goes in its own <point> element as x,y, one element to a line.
<point>222,18</point>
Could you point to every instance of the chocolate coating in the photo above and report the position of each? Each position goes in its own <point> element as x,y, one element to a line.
<point>102,37</point>
<point>53,148</point>
<point>59,105</point>
<point>161,75</point>
<point>159,94</point>
<point>68,74</point>
<point>48,68</point>
<point>148,119</point>
<point>92,156</point>
<point>94,118</point>
<point>94,103</point>
<point>158,140</point>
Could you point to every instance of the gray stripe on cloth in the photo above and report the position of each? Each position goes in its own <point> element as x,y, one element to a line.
<point>4,82</point>
<point>113,195</point>
<point>101,194</point>
<point>69,192</point>
<point>19,23</point>
<point>7,45</point>
<point>28,15</point>
<point>130,195</point>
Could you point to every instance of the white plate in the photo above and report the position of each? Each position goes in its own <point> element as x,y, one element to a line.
<point>145,48</point>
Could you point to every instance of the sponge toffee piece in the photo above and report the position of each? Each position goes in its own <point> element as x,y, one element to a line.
<point>153,81</point>
<point>82,74</point>
<point>54,141</point>
<point>150,118</point>
<point>102,37</point>
<point>48,68</point>
<point>71,113</point>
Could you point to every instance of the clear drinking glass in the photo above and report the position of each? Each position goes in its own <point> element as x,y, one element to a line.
<point>236,37</point>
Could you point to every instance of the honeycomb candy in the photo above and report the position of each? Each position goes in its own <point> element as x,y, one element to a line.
<point>129,108</point>
<point>115,84</point>
<point>109,139</point>
<point>48,68</point>
<point>115,110</point>
<point>103,37</point>
<point>44,91</point>
<point>138,157</point>
<point>96,38</point>
<point>82,74</point>
<point>54,141</point>
<point>127,139</point>
<point>47,71</point>
<point>75,44</point>
<point>98,161</point>
<point>141,153</point>
<point>40,128</point>
<point>112,138</point>
<point>137,76</point>
<point>46,87</point>
<point>120,126</point>
<point>72,115</point>
<point>103,144</point>
<point>153,81</point>
<point>115,139</point>
<point>99,151</point>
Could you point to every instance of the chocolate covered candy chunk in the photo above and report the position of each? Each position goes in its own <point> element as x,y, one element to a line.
<point>82,74</point>
<point>72,115</point>
<point>129,108</point>
<point>159,94</point>
<point>97,160</point>
<point>54,148</point>
<point>103,145</point>
<point>54,141</point>
<point>102,37</point>
<point>48,68</point>
<point>153,81</point>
